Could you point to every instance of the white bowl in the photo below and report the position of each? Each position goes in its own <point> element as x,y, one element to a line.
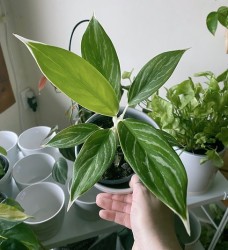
<point>45,202</point>
<point>33,169</point>
<point>9,140</point>
<point>32,141</point>
<point>87,204</point>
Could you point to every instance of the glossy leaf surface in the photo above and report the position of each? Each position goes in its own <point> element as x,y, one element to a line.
<point>212,22</point>
<point>156,164</point>
<point>75,77</point>
<point>97,49</point>
<point>59,171</point>
<point>93,159</point>
<point>72,136</point>
<point>19,236</point>
<point>223,16</point>
<point>153,75</point>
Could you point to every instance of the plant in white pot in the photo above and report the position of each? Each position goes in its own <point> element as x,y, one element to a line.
<point>5,173</point>
<point>196,115</point>
<point>93,81</point>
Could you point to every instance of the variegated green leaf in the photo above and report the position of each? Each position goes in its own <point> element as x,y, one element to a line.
<point>72,136</point>
<point>93,159</point>
<point>153,75</point>
<point>75,77</point>
<point>156,163</point>
<point>11,213</point>
<point>59,171</point>
<point>97,49</point>
<point>3,151</point>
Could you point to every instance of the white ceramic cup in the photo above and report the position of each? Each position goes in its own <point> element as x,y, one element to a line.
<point>6,185</point>
<point>45,202</point>
<point>32,169</point>
<point>9,140</point>
<point>32,141</point>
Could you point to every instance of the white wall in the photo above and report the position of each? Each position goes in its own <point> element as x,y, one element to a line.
<point>139,29</point>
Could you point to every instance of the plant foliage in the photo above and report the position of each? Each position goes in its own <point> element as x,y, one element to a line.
<point>196,114</point>
<point>215,17</point>
<point>93,81</point>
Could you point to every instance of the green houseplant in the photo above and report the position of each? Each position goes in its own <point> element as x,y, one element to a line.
<point>215,17</point>
<point>195,114</point>
<point>93,81</point>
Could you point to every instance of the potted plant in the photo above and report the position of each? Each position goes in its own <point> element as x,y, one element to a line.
<point>195,114</point>
<point>5,173</point>
<point>93,81</point>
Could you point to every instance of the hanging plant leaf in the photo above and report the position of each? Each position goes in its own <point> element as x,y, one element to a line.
<point>223,16</point>
<point>157,164</point>
<point>72,136</point>
<point>153,75</point>
<point>60,170</point>
<point>93,159</point>
<point>97,48</point>
<point>82,83</point>
<point>212,22</point>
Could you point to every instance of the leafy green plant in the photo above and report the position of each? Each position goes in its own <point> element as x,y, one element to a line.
<point>94,82</point>
<point>196,116</point>
<point>14,233</point>
<point>215,17</point>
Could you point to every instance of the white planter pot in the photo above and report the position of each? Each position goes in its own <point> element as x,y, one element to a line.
<point>6,185</point>
<point>200,176</point>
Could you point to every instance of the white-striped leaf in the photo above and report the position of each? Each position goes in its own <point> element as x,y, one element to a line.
<point>97,48</point>
<point>60,170</point>
<point>72,136</point>
<point>94,158</point>
<point>156,163</point>
<point>75,77</point>
<point>153,75</point>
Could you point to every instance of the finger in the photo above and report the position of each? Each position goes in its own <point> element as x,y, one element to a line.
<point>117,217</point>
<point>117,197</point>
<point>134,180</point>
<point>115,205</point>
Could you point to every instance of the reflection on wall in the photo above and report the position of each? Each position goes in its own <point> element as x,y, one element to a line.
<point>6,94</point>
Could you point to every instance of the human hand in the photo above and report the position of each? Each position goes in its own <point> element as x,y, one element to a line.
<point>150,220</point>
